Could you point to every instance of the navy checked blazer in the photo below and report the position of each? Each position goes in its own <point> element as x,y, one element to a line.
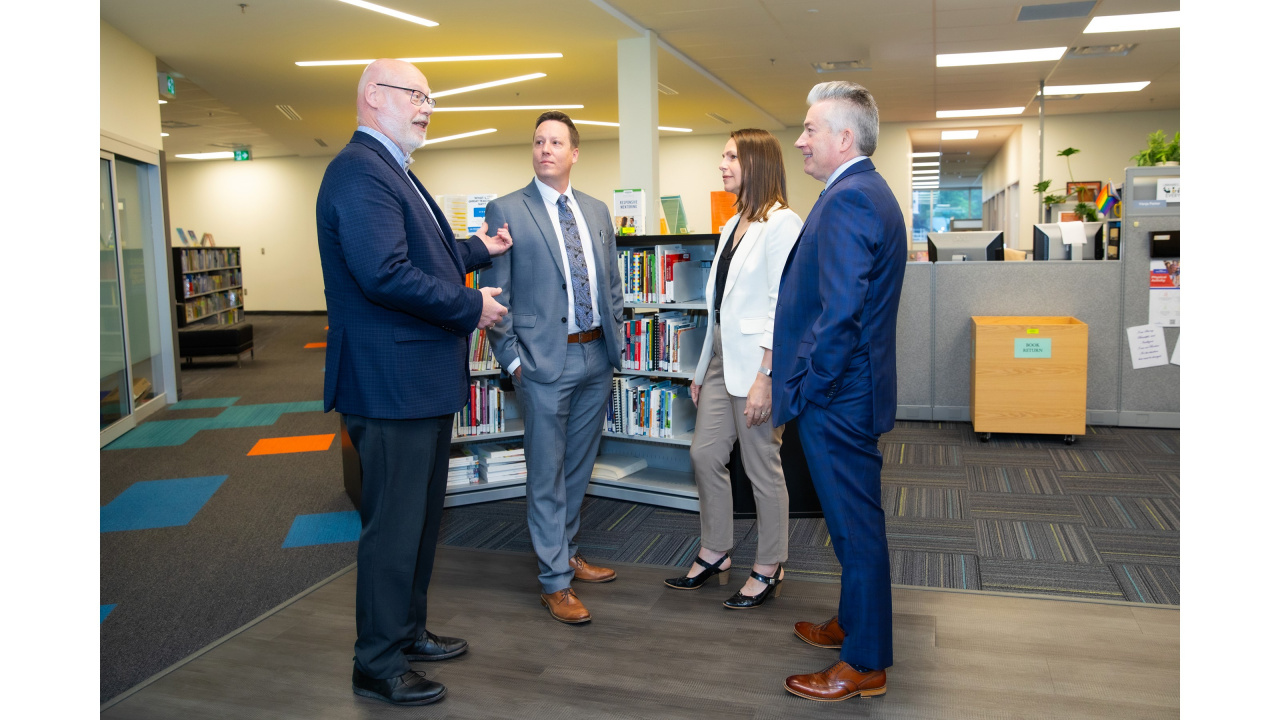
<point>399,312</point>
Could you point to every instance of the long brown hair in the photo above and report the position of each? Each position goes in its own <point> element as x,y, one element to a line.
<point>764,180</point>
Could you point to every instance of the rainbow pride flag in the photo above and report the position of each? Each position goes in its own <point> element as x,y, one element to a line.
<point>1106,199</point>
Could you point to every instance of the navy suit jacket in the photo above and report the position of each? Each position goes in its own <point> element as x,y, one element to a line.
<point>399,312</point>
<point>837,315</point>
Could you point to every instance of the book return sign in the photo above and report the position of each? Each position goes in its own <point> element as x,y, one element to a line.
<point>1033,347</point>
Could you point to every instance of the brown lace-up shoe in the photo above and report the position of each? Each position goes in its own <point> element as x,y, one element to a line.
<point>838,682</point>
<point>566,607</point>
<point>827,635</point>
<point>586,572</point>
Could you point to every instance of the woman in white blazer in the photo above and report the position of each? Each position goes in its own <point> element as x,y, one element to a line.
<point>732,386</point>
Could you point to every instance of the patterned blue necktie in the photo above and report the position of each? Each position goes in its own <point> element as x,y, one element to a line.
<point>577,266</point>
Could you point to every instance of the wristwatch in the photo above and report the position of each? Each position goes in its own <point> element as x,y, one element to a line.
<point>767,372</point>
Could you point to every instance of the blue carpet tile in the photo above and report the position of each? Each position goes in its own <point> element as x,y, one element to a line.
<point>204,403</point>
<point>323,529</point>
<point>106,610</point>
<point>159,503</point>
<point>165,433</point>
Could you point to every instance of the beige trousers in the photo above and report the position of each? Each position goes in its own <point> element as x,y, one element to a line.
<point>720,422</point>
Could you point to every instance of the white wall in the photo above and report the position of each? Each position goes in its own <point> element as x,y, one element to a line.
<point>267,206</point>
<point>128,109</point>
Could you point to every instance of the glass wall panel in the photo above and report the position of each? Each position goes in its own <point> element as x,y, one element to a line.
<point>141,276</point>
<point>113,397</point>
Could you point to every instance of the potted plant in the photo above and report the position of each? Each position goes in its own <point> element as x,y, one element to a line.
<point>1160,151</point>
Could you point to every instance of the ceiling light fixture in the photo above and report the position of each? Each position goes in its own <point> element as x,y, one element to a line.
<point>942,114</point>
<point>925,172</point>
<point>602,123</point>
<point>959,134</point>
<point>393,13</point>
<point>164,102</point>
<point>675,129</point>
<point>482,86</point>
<point>1000,57</point>
<point>926,154</point>
<point>164,134</point>
<point>507,107</point>
<point>416,60</point>
<point>924,164</point>
<point>1142,21</point>
<point>207,156</point>
<point>1101,88</point>
<point>459,136</point>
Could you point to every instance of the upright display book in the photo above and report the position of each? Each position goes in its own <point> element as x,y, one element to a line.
<point>628,212</point>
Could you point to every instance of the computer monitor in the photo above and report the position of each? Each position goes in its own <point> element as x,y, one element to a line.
<point>975,245</point>
<point>1047,242</point>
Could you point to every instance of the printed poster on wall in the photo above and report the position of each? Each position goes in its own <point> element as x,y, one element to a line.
<point>1166,279</point>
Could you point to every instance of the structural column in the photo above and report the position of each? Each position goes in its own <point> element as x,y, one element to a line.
<point>638,120</point>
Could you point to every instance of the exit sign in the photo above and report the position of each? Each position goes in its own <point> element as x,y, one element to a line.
<point>168,84</point>
<point>243,155</point>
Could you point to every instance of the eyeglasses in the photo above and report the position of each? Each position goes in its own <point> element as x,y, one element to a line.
<point>417,97</point>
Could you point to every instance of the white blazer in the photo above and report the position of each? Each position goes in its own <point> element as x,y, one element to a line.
<point>750,296</point>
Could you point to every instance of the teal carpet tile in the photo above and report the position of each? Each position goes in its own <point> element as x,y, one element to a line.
<point>939,570</point>
<point>204,403</point>
<point>1085,581</point>
<point>106,610</point>
<point>258,415</point>
<point>1027,481</point>
<point>948,536</point>
<point>1149,583</point>
<point>165,433</point>
<point>941,503</point>
<point>1129,513</point>
<point>1041,542</point>
<point>1139,548</point>
<point>1032,508</point>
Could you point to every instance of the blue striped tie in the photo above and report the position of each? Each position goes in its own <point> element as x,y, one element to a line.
<point>577,266</point>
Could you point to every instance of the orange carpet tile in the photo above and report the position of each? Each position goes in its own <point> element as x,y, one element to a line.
<point>315,345</point>
<point>301,443</point>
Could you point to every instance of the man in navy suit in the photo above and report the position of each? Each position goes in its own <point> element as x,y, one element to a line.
<point>834,357</point>
<point>396,367</point>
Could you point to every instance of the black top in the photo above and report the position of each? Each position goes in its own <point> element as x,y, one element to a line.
<point>722,267</point>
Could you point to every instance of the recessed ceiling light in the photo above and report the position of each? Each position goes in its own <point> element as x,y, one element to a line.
<point>1055,11</point>
<point>925,172</point>
<point>979,113</point>
<point>603,123</point>
<point>164,102</point>
<point>924,164</point>
<point>675,129</point>
<point>1000,57</point>
<point>417,60</point>
<point>1142,21</point>
<point>1102,88</point>
<point>482,86</point>
<point>507,107</point>
<point>926,154</point>
<point>207,156</point>
<point>164,134</point>
<point>459,136</point>
<point>392,13</point>
<point>959,134</point>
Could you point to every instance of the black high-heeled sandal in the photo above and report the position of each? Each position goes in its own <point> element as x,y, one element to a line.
<point>695,582</point>
<point>742,602</point>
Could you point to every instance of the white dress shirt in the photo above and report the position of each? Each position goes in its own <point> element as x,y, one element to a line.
<point>551,198</point>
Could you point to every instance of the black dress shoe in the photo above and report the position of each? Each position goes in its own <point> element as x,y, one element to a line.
<point>411,688</point>
<point>431,647</point>
<point>742,602</point>
<point>695,582</point>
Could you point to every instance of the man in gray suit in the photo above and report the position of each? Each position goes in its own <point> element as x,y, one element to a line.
<point>559,341</point>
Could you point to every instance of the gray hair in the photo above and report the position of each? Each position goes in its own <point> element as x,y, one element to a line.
<point>854,110</point>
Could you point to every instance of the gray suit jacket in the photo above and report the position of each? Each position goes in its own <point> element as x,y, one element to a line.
<point>532,279</point>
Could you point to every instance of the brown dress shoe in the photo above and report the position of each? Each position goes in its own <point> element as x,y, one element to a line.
<point>566,607</point>
<point>827,635</point>
<point>586,572</point>
<point>838,682</point>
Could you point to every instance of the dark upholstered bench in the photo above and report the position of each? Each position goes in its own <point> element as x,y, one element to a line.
<point>204,340</point>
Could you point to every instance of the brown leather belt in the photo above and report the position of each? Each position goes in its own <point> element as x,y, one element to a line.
<point>587,336</point>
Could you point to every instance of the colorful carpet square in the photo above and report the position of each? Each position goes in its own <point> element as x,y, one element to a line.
<point>106,610</point>
<point>991,454</point>
<point>1032,508</point>
<point>159,503</point>
<point>1042,542</point>
<point>300,443</point>
<point>941,570</point>
<point>1136,547</point>
<point>920,454</point>
<point>1149,583</point>
<point>947,536</point>
<point>1132,513</point>
<point>1086,581</point>
<point>1101,461</point>
<point>315,345</point>
<point>904,501</point>
<point>261,415</point>
<point>1029,481</point>
<point>204,403</point>
<point>167,433</point>
<point>323,529</point>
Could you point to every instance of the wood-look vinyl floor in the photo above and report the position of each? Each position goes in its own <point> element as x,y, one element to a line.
<point>654,652</point>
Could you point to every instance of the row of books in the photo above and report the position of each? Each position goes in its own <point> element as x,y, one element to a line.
<point>209,304</point>
<point>668,341</point>
<point>481,354</point>
<point>486,463</point>
<point>198,259</point>
<point>649,275</point>
<point>640,406</point>
<point>484,411</point>
<point>199,284</point>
